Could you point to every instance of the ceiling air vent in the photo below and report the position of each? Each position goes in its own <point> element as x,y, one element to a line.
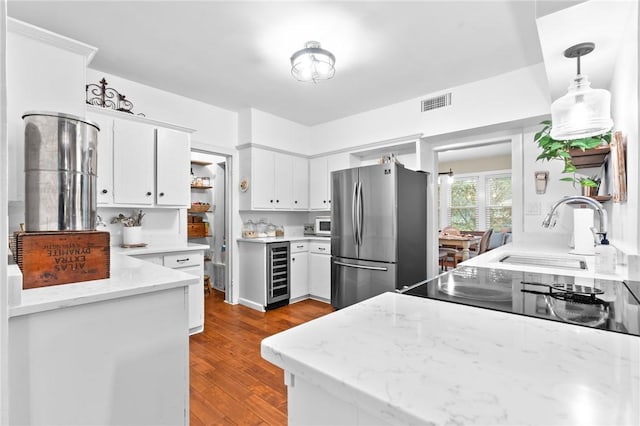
<point>437,102</point>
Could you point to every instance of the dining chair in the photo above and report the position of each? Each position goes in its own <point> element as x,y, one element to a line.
<point>483,245</point>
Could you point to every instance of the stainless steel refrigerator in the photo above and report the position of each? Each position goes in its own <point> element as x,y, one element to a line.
<point>378,231</point>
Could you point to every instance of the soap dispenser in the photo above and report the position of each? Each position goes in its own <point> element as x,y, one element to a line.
<point>606,258</point>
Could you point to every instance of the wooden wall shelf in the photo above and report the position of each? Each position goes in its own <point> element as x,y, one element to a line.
<point>201,163</point>
<point>589,158</point>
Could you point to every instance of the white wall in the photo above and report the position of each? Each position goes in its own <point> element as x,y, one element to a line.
<point>40,77</point>
<point>625,94</point>
<point>483,164</point>
<point>513,96</point>
<point>214,126</point>
<point>262,128</point>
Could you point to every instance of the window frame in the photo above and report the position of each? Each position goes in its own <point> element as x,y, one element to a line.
<point>482,197</point>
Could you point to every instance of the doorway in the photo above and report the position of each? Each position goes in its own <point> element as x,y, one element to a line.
<point>210,204</point>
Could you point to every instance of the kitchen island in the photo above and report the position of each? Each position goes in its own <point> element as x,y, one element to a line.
<point>112,351</point>
<point>399,359</point>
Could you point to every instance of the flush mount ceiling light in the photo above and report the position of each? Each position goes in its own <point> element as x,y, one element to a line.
<point>312,63</point>
<point>583,111</point>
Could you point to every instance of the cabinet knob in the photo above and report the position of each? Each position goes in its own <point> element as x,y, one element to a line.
<point>295,202</point>
<point>148,194</point>
<point>271,201</point>
<point>329,201</point>
<point>162,194</point>
<point>104,191</point>
<point>324,201</point>
<point>277,201</point>
<point>293,259</point>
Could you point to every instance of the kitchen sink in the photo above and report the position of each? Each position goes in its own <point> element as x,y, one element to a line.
<point>551,262</point>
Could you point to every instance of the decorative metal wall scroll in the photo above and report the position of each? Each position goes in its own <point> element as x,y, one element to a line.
<point>107,97</point>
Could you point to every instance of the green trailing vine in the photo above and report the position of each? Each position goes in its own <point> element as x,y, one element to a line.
<point>553,149</point>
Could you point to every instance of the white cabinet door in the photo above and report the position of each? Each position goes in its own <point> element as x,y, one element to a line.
<point>196,298</point>
<point>300,183</point>
<point>104,181</point>
<point>335,162</point>
<point>299,275</point>
<point>173,157</point>
<point>283,181</point>
<point>133,163</point>
<point>320,276</point>
<point>262,175</point>
<point>318,184</point>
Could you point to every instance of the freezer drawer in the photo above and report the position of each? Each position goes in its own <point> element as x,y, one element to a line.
<point>355,280</point>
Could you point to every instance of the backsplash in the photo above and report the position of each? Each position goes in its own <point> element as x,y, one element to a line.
<point>159,226</point>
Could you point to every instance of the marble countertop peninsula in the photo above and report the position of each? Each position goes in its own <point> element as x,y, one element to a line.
<point>326,239</point>
<point>128,277</point>
<point>410,360</point>
<point>158,248</point>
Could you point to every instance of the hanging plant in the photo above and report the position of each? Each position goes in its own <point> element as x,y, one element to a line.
<point>553,149</point>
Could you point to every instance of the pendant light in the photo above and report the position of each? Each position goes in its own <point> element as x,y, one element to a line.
<point>312,63</point>
<point>583,111</point>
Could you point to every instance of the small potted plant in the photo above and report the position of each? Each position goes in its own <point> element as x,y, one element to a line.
<point>132,227</point>
<point>553,149</point>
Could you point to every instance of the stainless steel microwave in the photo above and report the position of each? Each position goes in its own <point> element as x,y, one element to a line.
<point>323,225</point>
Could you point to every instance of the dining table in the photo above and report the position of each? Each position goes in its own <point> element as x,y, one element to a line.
<point>463,241</point>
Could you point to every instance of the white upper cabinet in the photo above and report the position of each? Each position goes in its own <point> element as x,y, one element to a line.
<point>283,190</point>
<point>173,156</point>
<point>320,178</point>
<point>141,163</point>
<point>300,183</point>
<point>318,184</point>
<point>272,178</point>
<point>104,180</point>
<point>133,163</point>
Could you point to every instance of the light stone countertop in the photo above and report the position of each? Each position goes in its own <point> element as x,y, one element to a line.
<point>491,259</point>
<point>158,248</point>
<point>326,239</point>
<point>410,360</point>
<point>129,277</point>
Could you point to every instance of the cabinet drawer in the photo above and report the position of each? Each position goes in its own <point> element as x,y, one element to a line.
<point>320,247</point>
<point>180,260</point>
<point>299,246</point>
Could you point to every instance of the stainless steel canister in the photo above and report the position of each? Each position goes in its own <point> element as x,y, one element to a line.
<point>60,157</point>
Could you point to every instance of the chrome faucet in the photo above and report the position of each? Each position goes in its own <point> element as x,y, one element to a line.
<point>602,213</point>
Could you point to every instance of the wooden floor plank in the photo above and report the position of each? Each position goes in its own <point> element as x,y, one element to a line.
<point>230,382</point>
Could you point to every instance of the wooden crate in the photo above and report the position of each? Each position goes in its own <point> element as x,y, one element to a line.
<point>196,230</point>
<point>53,258</point>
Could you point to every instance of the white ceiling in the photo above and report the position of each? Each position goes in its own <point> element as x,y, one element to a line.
<point>235,54</point>
<point>476,152</point>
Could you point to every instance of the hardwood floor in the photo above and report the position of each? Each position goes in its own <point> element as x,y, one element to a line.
<point>230,383</point>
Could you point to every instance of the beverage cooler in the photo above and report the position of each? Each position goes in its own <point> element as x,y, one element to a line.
<point>278,274</point>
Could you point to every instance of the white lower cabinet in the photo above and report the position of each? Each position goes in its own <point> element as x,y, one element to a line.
<point>190,262</point>
<point>299,271</point>
<point>320,270</point>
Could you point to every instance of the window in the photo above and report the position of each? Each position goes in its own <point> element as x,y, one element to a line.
<point>498,202</point>
<point>476,202</point>
<point>463,205</point>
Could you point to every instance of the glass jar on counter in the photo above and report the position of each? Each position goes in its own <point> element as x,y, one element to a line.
<point>279,231</point>
<point>271,230</point>
<point>261,228</point>
<point>249,230</point>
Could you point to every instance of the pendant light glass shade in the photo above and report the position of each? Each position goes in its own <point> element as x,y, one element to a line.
<point>583,111</point>
<point>312,63</point>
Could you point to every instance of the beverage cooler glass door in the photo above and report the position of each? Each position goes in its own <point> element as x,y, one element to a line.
<point>344,184</point>
<point>354,280</point>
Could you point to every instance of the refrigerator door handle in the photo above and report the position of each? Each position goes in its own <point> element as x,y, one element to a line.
<point>372,268</point>
<point>360,213</point>
<point>354,219</point>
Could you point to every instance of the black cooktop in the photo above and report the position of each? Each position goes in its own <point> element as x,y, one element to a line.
<point>589,302</point>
